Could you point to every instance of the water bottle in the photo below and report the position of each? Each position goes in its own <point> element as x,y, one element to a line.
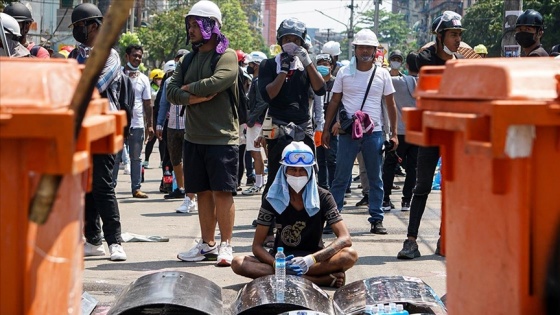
<point>174,186</point>
<point>370,310</point>
<point>280,273</point>
<point>401,310</point>
<point>167,179</point>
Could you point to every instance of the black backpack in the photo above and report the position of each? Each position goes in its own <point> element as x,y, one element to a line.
<point>240,105</point>
<point>121,92</point>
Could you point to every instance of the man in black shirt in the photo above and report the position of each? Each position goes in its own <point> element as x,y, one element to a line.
<point>529,30</point>
<point>300,211</point>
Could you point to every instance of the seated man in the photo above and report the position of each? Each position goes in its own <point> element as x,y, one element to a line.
<point>301,209</point>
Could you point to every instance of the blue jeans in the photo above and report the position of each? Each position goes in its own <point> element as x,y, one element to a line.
<point>348,149</point>
<point>326,160</point>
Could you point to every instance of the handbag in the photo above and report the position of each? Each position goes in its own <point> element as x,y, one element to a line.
<point>345,122</point>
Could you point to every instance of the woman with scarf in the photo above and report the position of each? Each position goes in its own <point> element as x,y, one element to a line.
<point>300,208</point>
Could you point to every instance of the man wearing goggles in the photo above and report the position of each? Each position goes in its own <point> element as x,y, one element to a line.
<point>300,209</point>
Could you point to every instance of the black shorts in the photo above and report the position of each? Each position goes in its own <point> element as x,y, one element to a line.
<point>210,167</point>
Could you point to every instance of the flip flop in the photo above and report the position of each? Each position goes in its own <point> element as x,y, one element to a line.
<point>335,278</point>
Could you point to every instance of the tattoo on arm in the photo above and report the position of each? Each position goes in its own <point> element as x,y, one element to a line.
<point>330,250</point>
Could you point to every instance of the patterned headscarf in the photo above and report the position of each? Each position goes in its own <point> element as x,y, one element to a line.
<point>208,27</point>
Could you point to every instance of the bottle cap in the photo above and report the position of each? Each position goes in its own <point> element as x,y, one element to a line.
<point>280,249</point>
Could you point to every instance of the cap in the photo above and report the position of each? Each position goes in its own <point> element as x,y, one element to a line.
<point>181,53</point>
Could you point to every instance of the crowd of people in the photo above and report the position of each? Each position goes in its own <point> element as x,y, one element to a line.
<point>310,117</point>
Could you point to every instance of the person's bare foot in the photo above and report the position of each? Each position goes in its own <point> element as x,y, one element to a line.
<point>333,280</point>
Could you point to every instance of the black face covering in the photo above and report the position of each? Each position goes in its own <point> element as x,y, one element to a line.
<point>525,39</point>
<point>250,70</point>
<point>80,34</point>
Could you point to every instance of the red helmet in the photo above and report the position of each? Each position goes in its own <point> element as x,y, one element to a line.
<point>240,55</point>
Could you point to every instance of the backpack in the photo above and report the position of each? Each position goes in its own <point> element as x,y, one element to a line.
<point>240,105</point>
<point>121,92</point>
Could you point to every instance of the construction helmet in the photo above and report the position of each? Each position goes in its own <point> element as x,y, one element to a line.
<point>366,37</point>
<point>332,48</point>
<point>240,55</point>
<point>86,11</point>
<point>205,8</point>
<point>256,57</point>
<point>291,26</point>
<point>19,12</point>
<point>169,66</point>
<point>11,26</point>
<point>156,74</point>
<point>297,154</point>
<point>325,57</point>
<point>447,21</point>
<point>480,49</point>
<point>530,18</point>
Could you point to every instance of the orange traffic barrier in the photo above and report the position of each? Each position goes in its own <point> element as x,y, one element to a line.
<point>497,122</point>
<point>41,265</point>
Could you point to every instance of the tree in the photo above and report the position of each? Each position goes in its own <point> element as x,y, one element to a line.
<point>393,30</point>
<point>483,23</point>
<point>236,27</point>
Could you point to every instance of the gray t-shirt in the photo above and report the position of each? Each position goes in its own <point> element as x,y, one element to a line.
<point>404,87</point>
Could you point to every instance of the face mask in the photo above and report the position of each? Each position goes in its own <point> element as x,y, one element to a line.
<point>80,34</point>
<point>290,48</point>
<point>324,70</point>
<point>250,70</point>
<point>447,51</point>
<point>131,66</point>
<point>296,182</point>
<point>395,65</point>
<point>366,58</point>
<point>525,39</point>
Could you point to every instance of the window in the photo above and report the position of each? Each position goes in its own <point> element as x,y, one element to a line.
<point>67,4</point>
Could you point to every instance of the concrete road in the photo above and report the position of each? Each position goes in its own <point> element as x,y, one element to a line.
<point>156,216</point>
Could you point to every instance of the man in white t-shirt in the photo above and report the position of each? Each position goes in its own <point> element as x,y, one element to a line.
<point>141,126</point>
<point>349,90</point>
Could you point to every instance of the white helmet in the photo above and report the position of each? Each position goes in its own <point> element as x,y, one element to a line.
<point>169,66</point>
<point>205,8</point>
<point>11,26</point>
<point>256,57</point>
<point>365,37</point>
<point>297,154</point>
<point>332,48</point>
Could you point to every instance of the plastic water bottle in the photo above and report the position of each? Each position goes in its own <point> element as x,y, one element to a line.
<point>370,310</point>
<point>280,273</point>
<point>401,310</point>
<point>174,186</point>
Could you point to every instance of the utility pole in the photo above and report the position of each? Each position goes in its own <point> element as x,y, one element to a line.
<point>508,37</point>
<point>328,34</point>
<point>376,18</point>
<point>351,29</point>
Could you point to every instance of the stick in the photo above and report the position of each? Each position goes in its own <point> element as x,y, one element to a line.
<point>43,200</point>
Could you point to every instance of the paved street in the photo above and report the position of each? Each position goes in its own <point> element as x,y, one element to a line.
<point>155,216</point>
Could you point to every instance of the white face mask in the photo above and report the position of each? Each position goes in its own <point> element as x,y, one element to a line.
<point>290,48</point>
<point>447,51</point>
<point>395,65</point>
<point>297,182</point>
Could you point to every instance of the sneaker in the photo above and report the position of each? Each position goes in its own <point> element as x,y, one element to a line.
<point>395,187</point>
<point>363,202</point>
<point>193,205</point>
<point>146,164</point>
<point>225,255</point>
<point>117,252</point>
<point>348,192</point>
<point>185,206</point>
<point>377,227</point>
<point>126,169</point>
<point>253,190</point>
<point>387,206</point>
<point>93,250</point>
<point>139,194</point>
<point>201,251</point>
<point>178,193</point>
<point>405,206</point>
<point>409,250</point>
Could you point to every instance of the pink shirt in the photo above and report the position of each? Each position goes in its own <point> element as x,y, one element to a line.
<point>41,53</point>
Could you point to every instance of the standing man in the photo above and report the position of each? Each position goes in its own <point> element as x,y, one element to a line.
<point>529,29</point>
<point>404,90</point>
<point>285,83</point>
<point>141,126</point>
<point>210,149</point>
<point>257,111</point>
<point>333,49</point>
<point>101,202</point>
<point>12,33</point>
<point>23,16</point>
<point>448,31</point>
<point>351,89</point>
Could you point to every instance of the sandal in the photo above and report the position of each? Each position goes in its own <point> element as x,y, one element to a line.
<point>335,278</point>
<point>139,194</point>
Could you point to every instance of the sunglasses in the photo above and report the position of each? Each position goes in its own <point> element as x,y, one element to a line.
<point>448,16</point>
<point>295,24</point>
<point>321,57</point>
<point>298,158</point>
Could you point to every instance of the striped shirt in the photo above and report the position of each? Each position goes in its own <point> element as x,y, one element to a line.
<point>176,121</point>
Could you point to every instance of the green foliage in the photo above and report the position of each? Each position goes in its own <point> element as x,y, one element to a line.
<point>236,27</point>
<point>128,38</point>
<point>484,19</point>
<point>393,30</point>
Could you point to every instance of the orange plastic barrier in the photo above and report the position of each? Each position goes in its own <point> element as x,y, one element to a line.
<point>497,122</point>
<point>41,265</point>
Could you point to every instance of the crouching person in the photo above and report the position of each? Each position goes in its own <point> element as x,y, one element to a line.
<point>300,208</point>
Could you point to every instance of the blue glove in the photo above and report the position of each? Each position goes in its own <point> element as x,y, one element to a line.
<point>294,270</point>
<point>304,263</point>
